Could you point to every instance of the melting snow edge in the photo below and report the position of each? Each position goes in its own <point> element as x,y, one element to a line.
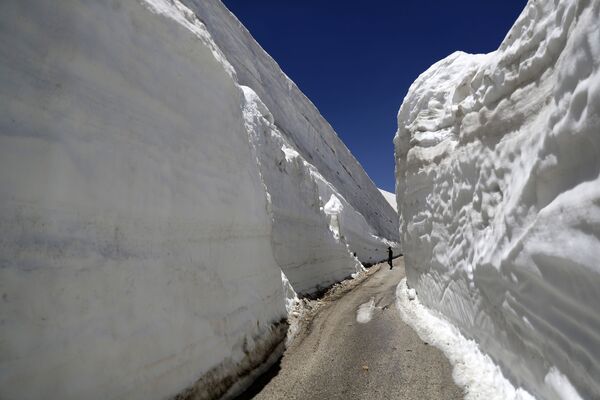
<point>473,371</point>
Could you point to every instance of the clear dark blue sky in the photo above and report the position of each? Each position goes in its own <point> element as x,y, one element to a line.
<point>355,60</point>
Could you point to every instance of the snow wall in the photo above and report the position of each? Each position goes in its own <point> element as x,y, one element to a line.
<point>149,203</point>
<point>390,197</point>
<point>498,161</point>
<point>367,221</point>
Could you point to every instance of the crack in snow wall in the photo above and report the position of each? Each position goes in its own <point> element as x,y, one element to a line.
<point>499,191</point>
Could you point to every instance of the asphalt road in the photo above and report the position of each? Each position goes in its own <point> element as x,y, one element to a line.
<point>337,357</point>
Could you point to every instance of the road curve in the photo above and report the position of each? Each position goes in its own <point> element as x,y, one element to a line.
<point>340,358</point>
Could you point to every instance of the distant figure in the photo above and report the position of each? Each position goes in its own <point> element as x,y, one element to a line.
<point>390,255</point>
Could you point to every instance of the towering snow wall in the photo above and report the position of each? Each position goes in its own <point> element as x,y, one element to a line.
<point>135,239</point>
<point>367,221</point>
<point>498,161</point>
<point>149,202</point>
<point>304,243</point>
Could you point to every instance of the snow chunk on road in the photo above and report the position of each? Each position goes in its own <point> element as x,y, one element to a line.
<point>472,370</point>
<point>365,311</point>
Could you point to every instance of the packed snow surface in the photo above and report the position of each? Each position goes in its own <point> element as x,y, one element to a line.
<point>157,217</point>
<point>499,192</point>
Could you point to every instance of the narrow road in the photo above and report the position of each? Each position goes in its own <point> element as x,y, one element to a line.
<point>381,358</point>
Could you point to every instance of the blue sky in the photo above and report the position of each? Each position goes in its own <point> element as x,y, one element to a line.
<point>355,60</point>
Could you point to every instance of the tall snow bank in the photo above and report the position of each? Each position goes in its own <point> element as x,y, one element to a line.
<point>498,187</point>
<point>305,248</point>
<point>296,118</point>
<point>390,198</point>
<point>315,229</point>
<point>156,216</point>
<point>135,238</point>
<point>303,163</point>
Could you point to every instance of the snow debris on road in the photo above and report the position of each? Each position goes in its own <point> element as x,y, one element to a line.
<point>365,311</point>
<point>474,371</point>
<point>303,310</point>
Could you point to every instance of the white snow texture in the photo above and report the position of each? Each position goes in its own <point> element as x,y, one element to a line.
<point>298,149</point>
<point>390,198</point>
<point>472,370</point>
<point>149,202</point>
<point>499,190</point>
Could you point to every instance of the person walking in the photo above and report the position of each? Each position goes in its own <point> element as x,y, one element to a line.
<point>390,255</point>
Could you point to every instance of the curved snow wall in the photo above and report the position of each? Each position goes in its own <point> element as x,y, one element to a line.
<point>498,161</point>
<point>135,236</point>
